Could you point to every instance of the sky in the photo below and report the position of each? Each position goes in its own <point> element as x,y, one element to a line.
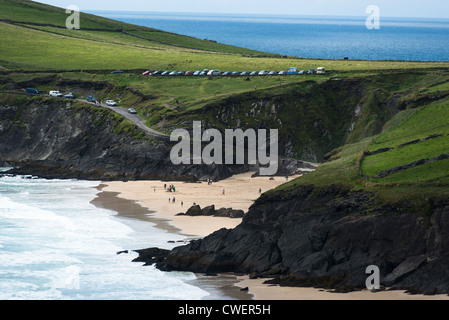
<point>388,8</point>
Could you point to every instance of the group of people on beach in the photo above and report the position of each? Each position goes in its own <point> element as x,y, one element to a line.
<point>171,188</point>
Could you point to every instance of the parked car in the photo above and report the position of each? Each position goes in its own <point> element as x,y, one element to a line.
<point>263,73</point>
<point>214,72</point>
<point>272,73</point>
<point>320,70</point>
<point>226,73</point>
<point>173,73</point>
<point>197,73</point>
<point>180,73</point>
<point>235,73</point>
<point>203,73</point>
<point>117,72</point>
<point>146,73</point>
<point>157,73</point>
<point>311,71</point>
<point>165,73</point>
<point>245,73</point>
<point>91,99</point>
<point>111,103</point>
<point>131,110</point>
<point>32,90</point>
<point>303,72</point>
<point>292,70</point>
<point>55,94</point>
<point>254,73</point>
<point>70,96</point>
<point>281,73</point>
<point>188,73</point>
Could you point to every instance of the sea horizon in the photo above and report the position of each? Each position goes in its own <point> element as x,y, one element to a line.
<point>306,36</point>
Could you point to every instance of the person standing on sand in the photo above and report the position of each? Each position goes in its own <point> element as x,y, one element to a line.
<point>223,192</point>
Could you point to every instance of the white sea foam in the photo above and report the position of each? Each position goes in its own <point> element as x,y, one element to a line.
<point>54,244</point>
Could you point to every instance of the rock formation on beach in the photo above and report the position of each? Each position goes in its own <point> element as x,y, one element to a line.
<point>327,237</point>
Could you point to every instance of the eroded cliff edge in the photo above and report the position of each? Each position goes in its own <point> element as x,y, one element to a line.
<point>327,237</point>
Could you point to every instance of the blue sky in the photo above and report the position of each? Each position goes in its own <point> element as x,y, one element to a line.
<point>388,8</point>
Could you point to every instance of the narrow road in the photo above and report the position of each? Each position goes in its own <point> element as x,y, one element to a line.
<point>135,118</point>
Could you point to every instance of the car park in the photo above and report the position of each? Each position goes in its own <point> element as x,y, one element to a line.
<point>131,110</point>
<point>111,103</point>
<point>263,73</point>
<point>55,94</point>
<point>70,96</point>
<point>32,90</point>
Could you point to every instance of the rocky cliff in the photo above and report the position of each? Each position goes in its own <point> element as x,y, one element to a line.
<point>60,139</point>
<point>328,237</point>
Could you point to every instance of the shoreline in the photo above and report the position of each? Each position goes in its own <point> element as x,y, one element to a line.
<point>148,201</point>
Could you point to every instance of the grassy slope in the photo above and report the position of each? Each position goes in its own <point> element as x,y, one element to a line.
<point>348,164</point>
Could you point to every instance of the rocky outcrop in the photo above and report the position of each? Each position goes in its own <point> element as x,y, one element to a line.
<point>328,237</point>
<point>196,210</point>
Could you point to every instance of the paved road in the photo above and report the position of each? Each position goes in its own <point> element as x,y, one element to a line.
<point>135,118</point>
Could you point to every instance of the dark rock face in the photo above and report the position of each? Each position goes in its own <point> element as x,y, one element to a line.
<point>210,211</point>
<point>57,139</point>
<point>326,236</point>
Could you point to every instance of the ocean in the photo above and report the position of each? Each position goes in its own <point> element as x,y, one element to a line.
<point>322,37</point>
<point>56,245</point>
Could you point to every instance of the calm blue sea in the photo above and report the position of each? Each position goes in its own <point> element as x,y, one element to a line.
<point>308,36</point>
<point>54,244</point>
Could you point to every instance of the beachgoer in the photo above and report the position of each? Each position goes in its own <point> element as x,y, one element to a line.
<point>169,200</point>
<point>223,192</point>
<point>260,190</point>
<point>173,199</point>
<point>182,203</point>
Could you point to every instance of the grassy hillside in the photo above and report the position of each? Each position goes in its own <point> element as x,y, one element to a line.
<point>354,166</point>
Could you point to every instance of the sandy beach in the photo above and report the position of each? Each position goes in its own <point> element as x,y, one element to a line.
<point>237,192</point>
<point>149,201</point>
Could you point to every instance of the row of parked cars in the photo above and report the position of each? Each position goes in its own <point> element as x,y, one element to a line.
<point>216,72</point>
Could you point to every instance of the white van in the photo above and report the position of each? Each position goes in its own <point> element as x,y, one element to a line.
<point>55,94</point>
<point>214,72</point>
<point>320,70</point>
